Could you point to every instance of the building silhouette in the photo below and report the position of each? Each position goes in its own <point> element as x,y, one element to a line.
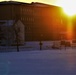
<point>41,21</point>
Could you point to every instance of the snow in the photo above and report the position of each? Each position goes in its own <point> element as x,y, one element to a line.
<point>38,62</point>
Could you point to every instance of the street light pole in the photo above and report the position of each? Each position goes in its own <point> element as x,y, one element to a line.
<point>40,43</point>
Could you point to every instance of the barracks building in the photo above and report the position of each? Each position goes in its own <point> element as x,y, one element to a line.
<point>31,22</point>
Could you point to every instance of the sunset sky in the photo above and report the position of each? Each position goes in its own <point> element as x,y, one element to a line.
<point>55,2</point>
<point>68,5</point>
<point>43,1</point>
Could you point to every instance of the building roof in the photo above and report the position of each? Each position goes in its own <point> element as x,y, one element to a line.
<point>12,2</point>
<point>33,3</point>
<point>41,4</point>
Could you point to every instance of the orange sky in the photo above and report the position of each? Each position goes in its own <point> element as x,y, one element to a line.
<point>43,1</point>
<point>68,5</point>
<point>53,2</point>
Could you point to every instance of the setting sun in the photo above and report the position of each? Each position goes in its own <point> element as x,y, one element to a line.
<point>68,6</point>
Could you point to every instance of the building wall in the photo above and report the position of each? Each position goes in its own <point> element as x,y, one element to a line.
<point>40,22</point>
<point>5,12</point>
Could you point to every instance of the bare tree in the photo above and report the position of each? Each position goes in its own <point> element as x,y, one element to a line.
<point>17,39</point>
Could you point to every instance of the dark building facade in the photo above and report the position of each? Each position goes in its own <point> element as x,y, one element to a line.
<point>41,21</point>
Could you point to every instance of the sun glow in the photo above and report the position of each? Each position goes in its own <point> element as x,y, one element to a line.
<point>70,11</point>
<point>69,29</point>
<point>69,6</point>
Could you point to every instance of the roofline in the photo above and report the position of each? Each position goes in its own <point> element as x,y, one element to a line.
<point>37,4</point>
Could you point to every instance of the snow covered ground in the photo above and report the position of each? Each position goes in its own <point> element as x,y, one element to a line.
<point>38,62</point>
